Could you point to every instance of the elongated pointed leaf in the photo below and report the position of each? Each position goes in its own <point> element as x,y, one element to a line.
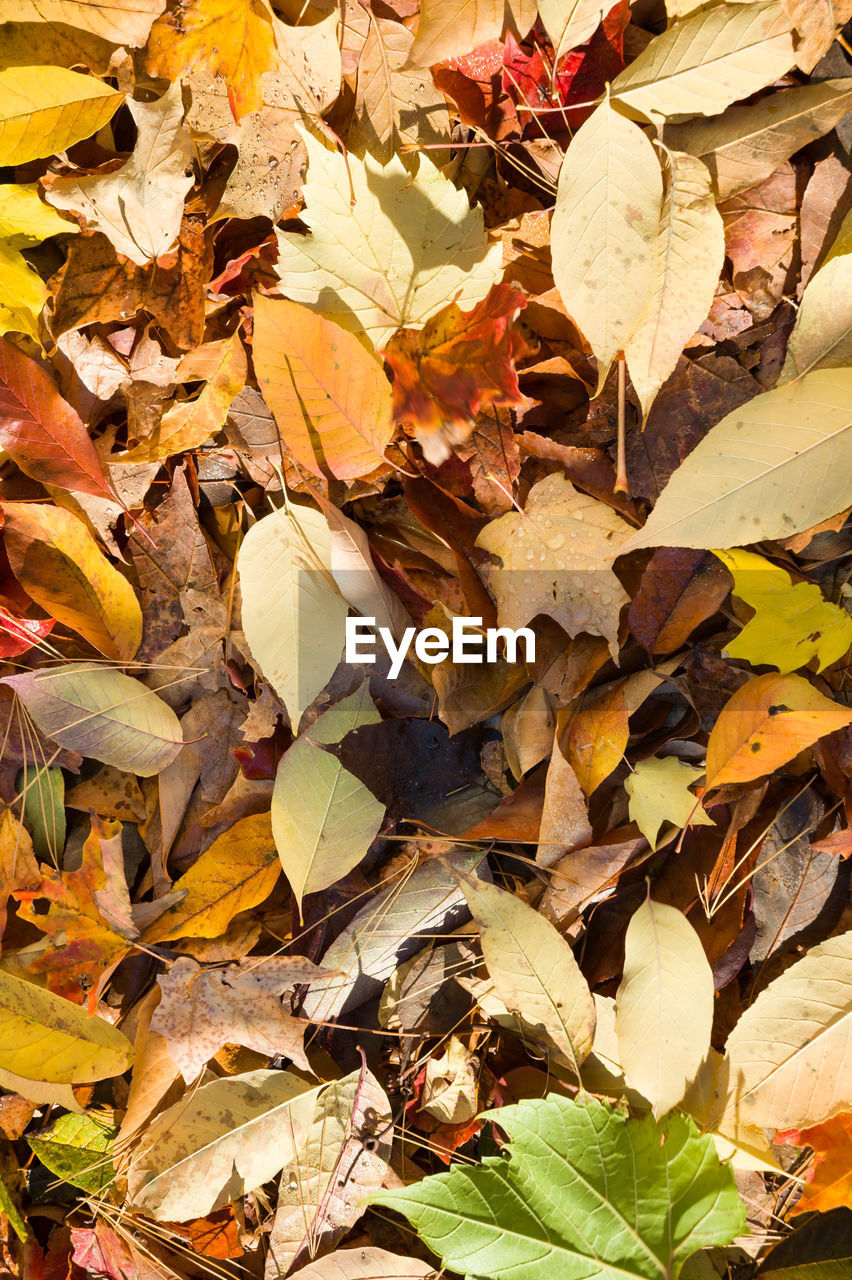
<point>102,713</point>
<point>46,109</point>
<point>665,973</point>
<point>822,334</point>
<point>604,230</point>
<point>708,60</point>
<point>778,465</point>
<point>293,615</point>
<point>48,1039</point>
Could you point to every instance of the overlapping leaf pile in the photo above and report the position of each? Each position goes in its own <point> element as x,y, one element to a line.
<point>344,969</point>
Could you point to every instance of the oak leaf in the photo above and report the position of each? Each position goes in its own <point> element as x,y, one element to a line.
<point>456,365</point>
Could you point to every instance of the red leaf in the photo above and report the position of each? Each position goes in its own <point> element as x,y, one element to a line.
<point>41,431</point>
<point>459,363</point>
<point>17,635</point>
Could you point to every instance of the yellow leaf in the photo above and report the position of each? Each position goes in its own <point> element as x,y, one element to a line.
<point>60,565</point>
<point>236,873</point>
<point>293,616</point>
<point>779,464</point>
<point>25,219</point>
<point>596,737</point>
<point>708,60</point>
<point>113,20</point>
<point>822,334</point>
<point>188,424</point>
<point>664,1005</point>
<point>787,1060</point>
<point>690,257</point>
<point>47,1039</point>
<point>659,793</point>
<point>792,624</point>
<point>22,294</point>
<point>328,393</point>
<point>570,23</point>
<point>605,230</point>
<point>746,144</point>
<point>533,970</point>
<point>230,38</point>
<point>395,250</point>
<point>45,109</point>
<point>552,556</point>
<point>766,723</point>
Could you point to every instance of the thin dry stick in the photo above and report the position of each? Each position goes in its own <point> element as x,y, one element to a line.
<point>621,485</point>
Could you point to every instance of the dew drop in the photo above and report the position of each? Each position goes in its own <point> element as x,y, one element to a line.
<point>557,541</point>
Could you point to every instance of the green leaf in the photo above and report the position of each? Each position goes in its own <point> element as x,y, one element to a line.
<point>294,617</point>
<point>51,1040</point>
<point>819,1250</point>
<point>45,109</point>
<point>791,624</point>
<point>77,1149</point>
<point>103,714</point>
<point>44,807</point>
<point>12,1212</point>
<point>323,817</point>
<point>777,465</point>
<point>585,1192</point>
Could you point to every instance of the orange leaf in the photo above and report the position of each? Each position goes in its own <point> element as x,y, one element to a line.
<point>41,431</point>
<point>596,738</point>
<point>328,393</point>
<point>18,867</point>
<point>58,562</point>
<point>766,723</point>
<point>459,363</point>
<point>229,38</point>
<point>830,1184</point>
<point>84,947</point>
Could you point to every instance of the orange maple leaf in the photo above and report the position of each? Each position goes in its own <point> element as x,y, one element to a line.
<point>830,1176</point>
<point>459,363</point>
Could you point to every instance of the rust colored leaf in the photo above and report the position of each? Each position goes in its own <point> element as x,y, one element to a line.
<point>680,588</point>
<point>456,365</point>
<point>829,1182</point>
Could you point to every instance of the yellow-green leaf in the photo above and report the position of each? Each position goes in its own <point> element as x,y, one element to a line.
<point>779,464</point>
<point>23,294</point>
<point>605,228</point>
<point>659,793</point>
<point>664,1005</point>
<point>708,60</point>
<point>46,1038</point>
<point>25,219</point>
<point>293,615</point>
<point>791,625</point>
<point>45,109</point>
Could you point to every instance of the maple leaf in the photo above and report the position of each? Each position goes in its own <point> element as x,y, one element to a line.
<point>457,364</point>
<point>830,1176</point>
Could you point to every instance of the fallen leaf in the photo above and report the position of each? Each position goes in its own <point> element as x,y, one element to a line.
<point>767,722</point>
<point>659,793</point>
<point>679,590</point>
<point>46,109</point>
<point>829,1182</point>
<point>110,20</point>
<point>595,737</point>
<point>18,867</point>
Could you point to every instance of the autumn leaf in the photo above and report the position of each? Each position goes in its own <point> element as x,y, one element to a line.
<point>456,365</point>
<point>49,108</point>
<point>659,793</point>
<point>829,1179</point>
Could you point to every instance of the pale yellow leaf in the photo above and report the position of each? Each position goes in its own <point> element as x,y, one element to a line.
<point>533,970</point>
<point>389,252</point>
<point>115,20</point>
<point>396,106</point>
<point>450,28</point>
<point>822,334</point>
<point>139,206</point>
<point>789,1058</point>
<point>777,465</point>
<point>708,60</point>
<point>747,143</point>
<point>690,257</point>
<point>571,22</point>
<point>553,561</point>
<point>659,793</point>
<point>604,232</point>
<point>664,1005</point>
<point>45,109</point>
<point>293,615</point>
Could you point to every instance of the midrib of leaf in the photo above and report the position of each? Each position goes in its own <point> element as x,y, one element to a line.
<point>778,467</point>
<point>780,1066</point>
<point>692,67</point>
<point>104,712</point>
<point>805,113</point>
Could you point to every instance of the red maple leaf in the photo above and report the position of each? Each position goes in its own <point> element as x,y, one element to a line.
<point>17,635</point>
<point>459,363</point>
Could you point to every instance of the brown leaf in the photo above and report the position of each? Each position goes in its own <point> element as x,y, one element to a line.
<point>679,589</point>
